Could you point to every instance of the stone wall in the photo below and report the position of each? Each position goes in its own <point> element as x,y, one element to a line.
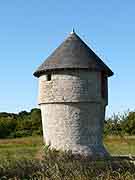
<point>73,126</point>
<point>73,111</point>
<point>77,86</point>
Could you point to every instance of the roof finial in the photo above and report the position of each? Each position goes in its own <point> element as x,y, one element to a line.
<point>73,31</point>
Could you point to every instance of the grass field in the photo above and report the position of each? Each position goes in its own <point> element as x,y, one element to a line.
<point>22,159</point>
<point>117,145</point>
<point>30,147</point>
<point>20,147</point>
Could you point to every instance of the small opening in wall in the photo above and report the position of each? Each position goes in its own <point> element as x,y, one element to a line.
<point>103,85</point>
<point>48,77</point>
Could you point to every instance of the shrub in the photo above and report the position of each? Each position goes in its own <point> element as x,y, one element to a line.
<point>21,124</point>
<point>58,165</point>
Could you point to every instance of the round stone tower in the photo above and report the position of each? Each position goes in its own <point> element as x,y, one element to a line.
<point>73,95</point>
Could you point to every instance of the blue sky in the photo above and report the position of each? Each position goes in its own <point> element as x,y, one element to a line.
<point>31,30</point>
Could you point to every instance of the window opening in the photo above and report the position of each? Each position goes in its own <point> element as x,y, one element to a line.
<point>48,77</point>
<point>103,85</point>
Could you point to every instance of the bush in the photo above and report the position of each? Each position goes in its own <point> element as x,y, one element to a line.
<point>22,133</point>
<point>21,124</point>
<point>120,124</point>
<point>7,125</point>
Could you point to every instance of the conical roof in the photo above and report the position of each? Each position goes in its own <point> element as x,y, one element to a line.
<point>73,53</point>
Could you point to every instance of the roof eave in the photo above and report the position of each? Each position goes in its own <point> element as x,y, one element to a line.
<point>38,73</point>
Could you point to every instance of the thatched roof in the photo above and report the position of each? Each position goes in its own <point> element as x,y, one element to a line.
<point>73,53</point>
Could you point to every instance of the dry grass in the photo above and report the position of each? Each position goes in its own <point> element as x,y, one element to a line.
<point>118,145</point>
<point>25,158</point>
<point>19,148</point>
<point>24,141</point>
<point>64,166</point>
<point>31,146</point>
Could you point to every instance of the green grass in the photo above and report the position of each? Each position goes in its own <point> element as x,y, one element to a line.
<point>20,147</point>
<point>25,158</point>
<point>117,145</point>
<point>30,147</point>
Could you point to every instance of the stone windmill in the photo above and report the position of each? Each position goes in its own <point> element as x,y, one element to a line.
<point>73,95</point>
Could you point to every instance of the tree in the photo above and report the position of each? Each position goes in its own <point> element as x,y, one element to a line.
<point>129,123</point>
<point>36,121</point>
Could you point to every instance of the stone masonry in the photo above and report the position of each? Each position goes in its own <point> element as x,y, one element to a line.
<point>73,111</point>
<point>73,95</point>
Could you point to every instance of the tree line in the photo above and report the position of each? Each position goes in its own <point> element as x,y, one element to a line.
<point>29,123</point>
<point>20,125</point>
<point>120,124</point>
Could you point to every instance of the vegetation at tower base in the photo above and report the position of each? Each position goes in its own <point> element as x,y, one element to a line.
<point>29,123</point>
<point>56,165</point>
<point>27,158</point>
